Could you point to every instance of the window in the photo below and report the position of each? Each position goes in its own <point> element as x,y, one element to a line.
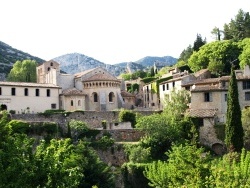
<point>0,91</point>
<point>53,106</point>
<point>223,84</point>
<point>71,103</point>
<point>226,97</point>
<point>26,92</point>
<point>13,91</point>
<point>247,96</point>
<point>37,92</point>
<point>167,87</point>
<point>79,102</point>
<point>163,87</point>
<point>48,68</point>
<point>173,84</point>
<point>48,92</point>
<point>51,64</point>
<point>111,97</point>
<point>208,97</point>
<point>95,97</point>
<point>246,84</point>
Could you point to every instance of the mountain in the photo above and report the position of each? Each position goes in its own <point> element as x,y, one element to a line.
<point>9,55</point>
<point>131,66</point>
<point>75,62</point>
<point>164,61</point>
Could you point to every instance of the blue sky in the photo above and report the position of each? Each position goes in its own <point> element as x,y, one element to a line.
<point>112,31</point>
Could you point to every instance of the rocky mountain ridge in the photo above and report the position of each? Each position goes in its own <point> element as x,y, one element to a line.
<point>9,55</point>
<point>75,62</point>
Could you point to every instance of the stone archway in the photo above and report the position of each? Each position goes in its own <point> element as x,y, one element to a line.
<point>218,148</point>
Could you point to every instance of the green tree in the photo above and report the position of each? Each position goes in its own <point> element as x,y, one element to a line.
<point>176,106</point>
<point>245,55</point>
<point>186,53</point>
<point>126,76</point>
<point>233,170</point>
<point>127,115</point>
<point>17,167</point>
<point>160,133</point>
<point>233,131</point>
<point>152,72</point>
<point>216,32</point>
<point>184,168</point>
<point>78,129</point>
<point>216,67</point>
<point>239,27</point>
<point>24,71</point>
<point>246,124</point>
<point>199,42</point>
<point>63,164</point>
<point>224,51</point>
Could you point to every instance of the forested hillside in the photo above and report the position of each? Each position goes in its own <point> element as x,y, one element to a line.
<point>9,55</point>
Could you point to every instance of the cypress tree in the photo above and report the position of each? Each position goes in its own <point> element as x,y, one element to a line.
<point>234,130</point>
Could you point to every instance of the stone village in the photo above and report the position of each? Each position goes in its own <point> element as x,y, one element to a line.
<point>97,92</point>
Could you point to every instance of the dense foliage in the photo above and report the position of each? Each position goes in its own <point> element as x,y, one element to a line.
<point>23,71</point>
<point>234,131</point>
<point>225,52</point>
<point>127,116</point>
<point>239,27</point>
<point>57,163</point>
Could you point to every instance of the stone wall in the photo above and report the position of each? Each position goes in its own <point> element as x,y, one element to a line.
<point>209,138</point>
<point>92,118</point>
<point>113,156</point>
<point>123,135</point>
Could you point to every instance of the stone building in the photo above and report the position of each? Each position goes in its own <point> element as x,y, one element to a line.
<point>94,89</point>
<point>24,97</point>
<point>209,104</point>
<point>209,96</point>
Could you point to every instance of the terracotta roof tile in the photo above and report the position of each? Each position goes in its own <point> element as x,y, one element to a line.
<point>202,112</point>
<point>101,77</point>
<point>126,94</point>
<point>200,72</point>
<point>79,74</point>
<point>72,91</point>
<point>208,88</point>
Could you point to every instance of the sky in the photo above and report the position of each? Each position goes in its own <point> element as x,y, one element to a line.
<point>112,31</point>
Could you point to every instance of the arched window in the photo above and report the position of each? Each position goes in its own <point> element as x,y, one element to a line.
<point>95,97</point>
<point>79,102</point>
<point>111,97</point>
<point>71,103</point>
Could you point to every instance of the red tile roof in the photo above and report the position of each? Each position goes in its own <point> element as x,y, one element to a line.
<point>101,77</point>
<point>126,94</point>
<point>72,91</point>
<point>202,112</point>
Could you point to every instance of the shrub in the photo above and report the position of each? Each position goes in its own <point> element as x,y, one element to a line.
<point>18,126</point>
<point>104,143</point>
<point>127,115</point>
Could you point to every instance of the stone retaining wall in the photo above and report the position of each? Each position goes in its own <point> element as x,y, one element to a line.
<point>92,118</point>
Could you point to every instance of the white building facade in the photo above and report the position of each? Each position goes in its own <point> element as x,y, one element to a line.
<point>22,97</point>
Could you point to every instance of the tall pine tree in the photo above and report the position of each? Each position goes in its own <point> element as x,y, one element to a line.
<point>234,130</point>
